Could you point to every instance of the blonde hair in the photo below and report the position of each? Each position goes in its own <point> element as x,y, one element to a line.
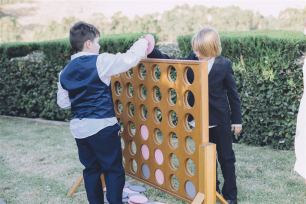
<point>207,42</point>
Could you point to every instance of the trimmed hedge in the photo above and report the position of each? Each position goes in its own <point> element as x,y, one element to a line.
<point>29,75</point>
<point>268,72</point>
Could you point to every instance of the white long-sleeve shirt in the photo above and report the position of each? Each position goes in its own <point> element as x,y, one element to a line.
<point>107,65</point>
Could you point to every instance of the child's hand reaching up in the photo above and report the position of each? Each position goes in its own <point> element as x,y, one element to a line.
<point>151,43</point>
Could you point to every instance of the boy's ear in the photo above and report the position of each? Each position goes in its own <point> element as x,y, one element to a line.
<point>87,44</point>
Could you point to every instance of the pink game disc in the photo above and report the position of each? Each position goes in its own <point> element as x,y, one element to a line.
<point>151,44</point>
<point>159,157</point>
<point>159,176</point>
<point>145,152</point>
<point>138,199</point>
<point>144,132</point>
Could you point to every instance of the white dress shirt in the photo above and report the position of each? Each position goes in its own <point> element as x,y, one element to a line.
<point>107,65</point>
<point>210,64</point>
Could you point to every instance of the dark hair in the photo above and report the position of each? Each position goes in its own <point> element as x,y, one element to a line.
<point>80,32</point>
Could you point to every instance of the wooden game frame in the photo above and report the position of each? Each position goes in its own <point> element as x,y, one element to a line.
<point>204,156</point>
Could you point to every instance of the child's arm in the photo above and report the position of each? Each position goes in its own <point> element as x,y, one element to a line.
<point>233,97</point>
<point>156,53</point>
<point>112,64</point>
<point>192,56</point>
<point>63,100</point>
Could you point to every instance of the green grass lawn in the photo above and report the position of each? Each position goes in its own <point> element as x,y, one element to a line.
<point>39,163</point>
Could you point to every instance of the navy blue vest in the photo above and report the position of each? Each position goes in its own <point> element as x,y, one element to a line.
<point>89,96</point>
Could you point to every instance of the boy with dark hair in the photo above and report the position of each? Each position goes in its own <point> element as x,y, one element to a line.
<point>84,86</point>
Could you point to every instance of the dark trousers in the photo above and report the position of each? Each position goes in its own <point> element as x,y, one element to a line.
<point>221,135</point>
<point>101,153</point>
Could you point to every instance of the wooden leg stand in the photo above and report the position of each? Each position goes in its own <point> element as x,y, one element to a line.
<point>199,198</point>
<point>75,186</point>
<point>78,182</point>
<point>221,199</point>
<point>207,179</point>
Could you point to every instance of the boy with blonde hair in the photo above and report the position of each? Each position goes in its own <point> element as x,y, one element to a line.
<point>224,103</point>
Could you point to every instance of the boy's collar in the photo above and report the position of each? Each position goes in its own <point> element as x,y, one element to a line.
<point>79,54</point>
<point>211,60</point>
